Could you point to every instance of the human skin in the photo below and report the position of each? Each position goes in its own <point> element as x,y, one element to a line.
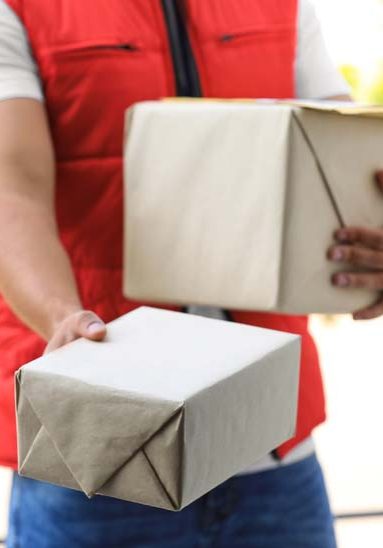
<point>361,247</point>
<point>36,276</point>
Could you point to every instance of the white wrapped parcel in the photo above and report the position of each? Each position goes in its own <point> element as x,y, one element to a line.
<point>234,204</point>
<point>168,407</point>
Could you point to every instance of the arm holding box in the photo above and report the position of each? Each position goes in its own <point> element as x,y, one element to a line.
<point>36,276</point>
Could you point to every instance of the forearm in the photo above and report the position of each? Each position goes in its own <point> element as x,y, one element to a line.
<point>36,277</point>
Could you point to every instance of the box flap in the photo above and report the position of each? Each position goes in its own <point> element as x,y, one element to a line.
<point>347,108</point>
<point>95,431</point>
<point>339,107</point>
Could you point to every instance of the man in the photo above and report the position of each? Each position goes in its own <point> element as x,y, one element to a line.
<point>68,70</point>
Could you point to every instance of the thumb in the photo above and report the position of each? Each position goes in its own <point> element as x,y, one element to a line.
<point>91,327</point>
<point>379,179</point>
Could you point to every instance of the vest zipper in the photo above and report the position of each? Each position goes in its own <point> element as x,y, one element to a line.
<point>185,68</point>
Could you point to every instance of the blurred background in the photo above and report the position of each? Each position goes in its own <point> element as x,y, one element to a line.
<point>350,445</point>
<point>354,33</point>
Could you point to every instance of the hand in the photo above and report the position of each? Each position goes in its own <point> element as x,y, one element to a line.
<point>363,248</point>
<point>79,324</point>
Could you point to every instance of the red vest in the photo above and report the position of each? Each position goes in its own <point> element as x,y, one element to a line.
<point>89,80</point>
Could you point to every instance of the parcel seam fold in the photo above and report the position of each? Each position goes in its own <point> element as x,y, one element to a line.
<point>172,502</point>
<point>33,464</point>
<point>27,456</point>
<point>157,432</point>
<point>284,216</point>
<point>321,170</point>
<point>165,453</point>
<point>142,448</point>
<point>57,449</point>
<point>90,490</point>
<point>18,375</point>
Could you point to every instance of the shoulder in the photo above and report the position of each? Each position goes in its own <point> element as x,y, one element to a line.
<point>307,16</point>
<point>18,71</point>
<point>316,75</point>
<point>8,14</point>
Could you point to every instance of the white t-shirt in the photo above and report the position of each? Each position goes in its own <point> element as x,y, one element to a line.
<point>315,74</point>
<point>316,78</point>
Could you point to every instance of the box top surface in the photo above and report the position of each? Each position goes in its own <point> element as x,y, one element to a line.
<point>337,107</point>
<point>162,354</point>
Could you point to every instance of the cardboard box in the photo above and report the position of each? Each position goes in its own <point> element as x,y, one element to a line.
<point>167,408</point>
<point>234,204</point>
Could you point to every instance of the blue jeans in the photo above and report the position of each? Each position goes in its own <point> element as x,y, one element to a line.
<point>285,507</point>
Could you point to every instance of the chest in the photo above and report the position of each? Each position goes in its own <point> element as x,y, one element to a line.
<point>98,57</point>
<point>238,47</point>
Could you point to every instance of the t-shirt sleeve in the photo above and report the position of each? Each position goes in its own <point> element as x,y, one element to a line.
<point>316,74</point>
<point>19,77</point>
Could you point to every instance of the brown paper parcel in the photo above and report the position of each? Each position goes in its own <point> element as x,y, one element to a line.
<point>234,204</point>
<point>168,407</point>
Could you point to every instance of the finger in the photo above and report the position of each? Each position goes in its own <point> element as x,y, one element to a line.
<point>82,324</point>
<point>358,256</point>
<point>371,312</point>
<point>368,237</point>
<point>363,280</point>
<point>90,326</point>
<point>60,339</point>
<point>379,179</point>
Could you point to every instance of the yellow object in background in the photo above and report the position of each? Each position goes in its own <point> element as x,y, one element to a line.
<point>367,85</point>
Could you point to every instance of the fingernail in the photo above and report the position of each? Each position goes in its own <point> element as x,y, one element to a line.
<point>379,179</point>
<point>94,327</point>
<point>341,235</point>
<point>337,254</point>
<point>342,280</point>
